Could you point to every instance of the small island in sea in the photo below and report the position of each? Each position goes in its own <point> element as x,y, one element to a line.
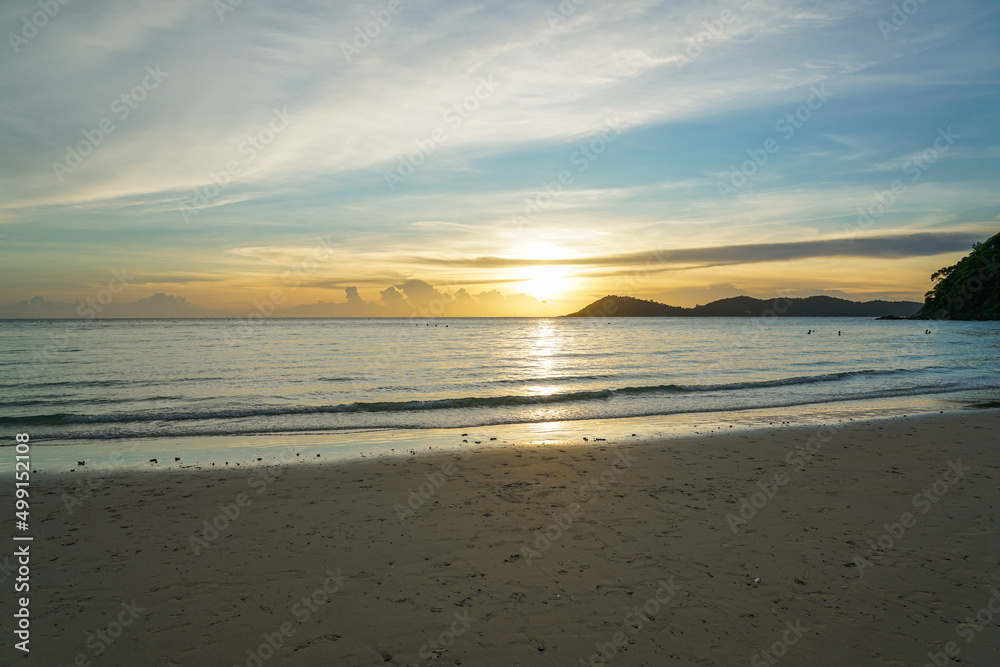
<point>746,306</point>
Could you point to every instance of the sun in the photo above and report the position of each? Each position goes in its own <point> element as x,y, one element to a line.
<point>544,282</point>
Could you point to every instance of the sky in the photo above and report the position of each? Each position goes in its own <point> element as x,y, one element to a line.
<point>407,157</point>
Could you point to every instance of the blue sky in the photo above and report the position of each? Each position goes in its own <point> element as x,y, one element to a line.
<point>668,124</point>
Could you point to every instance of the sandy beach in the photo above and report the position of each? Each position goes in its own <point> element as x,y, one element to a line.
<point>869,543</point>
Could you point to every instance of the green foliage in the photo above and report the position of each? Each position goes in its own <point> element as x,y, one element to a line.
<point>969,290</point>
<point>943,273</point>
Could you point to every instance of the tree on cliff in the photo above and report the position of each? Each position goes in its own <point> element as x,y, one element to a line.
<point>969,290</point>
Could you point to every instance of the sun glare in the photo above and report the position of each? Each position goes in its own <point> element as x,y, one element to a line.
<point>544,282</point>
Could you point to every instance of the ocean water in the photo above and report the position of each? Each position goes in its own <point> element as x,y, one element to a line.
<point>111,382</point>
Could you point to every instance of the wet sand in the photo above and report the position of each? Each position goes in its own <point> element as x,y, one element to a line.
<point>861,543</point>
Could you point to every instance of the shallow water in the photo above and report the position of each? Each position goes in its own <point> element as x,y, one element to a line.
<point>102,382</point>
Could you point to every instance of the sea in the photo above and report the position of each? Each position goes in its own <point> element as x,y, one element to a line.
<point>206,392</point>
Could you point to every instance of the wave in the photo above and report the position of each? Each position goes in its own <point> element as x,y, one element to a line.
<point>460,403</point>
<point>551,378</point>
<point>469,420</point>
<point>77,384</point>
<point>93,400</point>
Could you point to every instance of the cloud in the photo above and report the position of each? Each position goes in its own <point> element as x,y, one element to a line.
<point>159,305</point>
<point>156,305</point>
<point>392,298</point>
<point>418,298</point>
<point>39,307</point>
<point>688,107</point>
<point>353,297</point>
<point>605,61</point>
<point>919,244</point>
<point>413,298</point>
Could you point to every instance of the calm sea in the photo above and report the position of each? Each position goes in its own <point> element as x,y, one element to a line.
<point>111,382</point>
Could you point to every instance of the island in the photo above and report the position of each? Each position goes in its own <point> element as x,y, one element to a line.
<point>746,306</point>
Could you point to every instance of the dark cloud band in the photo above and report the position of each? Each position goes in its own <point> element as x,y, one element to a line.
<point>921,244</point>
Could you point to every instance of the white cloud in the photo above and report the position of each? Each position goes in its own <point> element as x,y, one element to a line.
<point>602,63</point>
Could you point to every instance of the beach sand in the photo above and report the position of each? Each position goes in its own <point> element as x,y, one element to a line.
<point>537,555</point>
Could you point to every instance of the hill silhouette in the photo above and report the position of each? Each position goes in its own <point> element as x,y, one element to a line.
<point>746,306</point>
<point>968,290</point>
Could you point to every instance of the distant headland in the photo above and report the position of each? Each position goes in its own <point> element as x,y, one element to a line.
<point>745,306</point>
<point>968,290</point>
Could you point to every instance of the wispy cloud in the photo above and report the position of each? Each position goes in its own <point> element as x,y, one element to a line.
<point>886,247</point>
<point>409,95</point>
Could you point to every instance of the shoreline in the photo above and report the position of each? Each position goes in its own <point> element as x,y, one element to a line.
<point>207,452</point>
<point>539,554</point>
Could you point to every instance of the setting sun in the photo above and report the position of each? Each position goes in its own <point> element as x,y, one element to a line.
<point>545,282</point>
